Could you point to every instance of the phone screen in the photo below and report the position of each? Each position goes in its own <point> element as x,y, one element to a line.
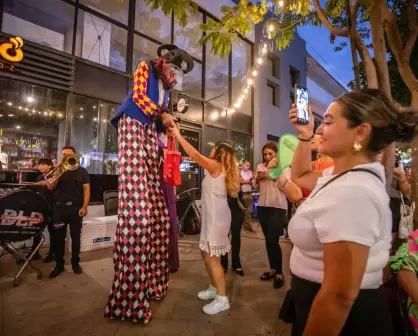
<point>302,102</point>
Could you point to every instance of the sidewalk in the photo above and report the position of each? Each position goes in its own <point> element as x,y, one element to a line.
<point>73,305</point>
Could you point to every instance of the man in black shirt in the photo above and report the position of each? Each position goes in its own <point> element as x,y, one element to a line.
<point>71,198</point>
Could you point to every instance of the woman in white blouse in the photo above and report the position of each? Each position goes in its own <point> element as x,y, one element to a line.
<point>342,232</point>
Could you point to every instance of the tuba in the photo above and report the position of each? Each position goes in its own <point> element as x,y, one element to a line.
<point>68,162</point>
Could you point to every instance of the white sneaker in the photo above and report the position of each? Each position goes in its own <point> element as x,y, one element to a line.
<point>220,304</point>
<point>208,294</point>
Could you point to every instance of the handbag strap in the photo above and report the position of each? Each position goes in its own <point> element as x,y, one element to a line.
<point>342,174</point>
<point>171,143</point>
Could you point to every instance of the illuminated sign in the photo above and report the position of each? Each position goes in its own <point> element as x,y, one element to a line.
<point>12,52</point>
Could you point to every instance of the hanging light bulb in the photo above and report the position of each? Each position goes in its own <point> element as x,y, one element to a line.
<point>259,60</point>
<point>250,81</point>
<point>281,3</point>
<point>254,72</point>
<point>271,27</point>
<point>246,90</point>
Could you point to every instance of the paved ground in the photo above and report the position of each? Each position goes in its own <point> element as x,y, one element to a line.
<point>74,304</point>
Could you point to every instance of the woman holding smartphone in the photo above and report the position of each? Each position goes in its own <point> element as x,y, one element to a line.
<point>222,179</point>
<point>272,208</point>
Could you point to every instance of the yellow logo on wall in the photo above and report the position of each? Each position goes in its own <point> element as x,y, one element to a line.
<point>12,51</point>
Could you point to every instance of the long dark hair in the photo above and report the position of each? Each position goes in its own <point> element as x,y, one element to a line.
<point>269,145</point>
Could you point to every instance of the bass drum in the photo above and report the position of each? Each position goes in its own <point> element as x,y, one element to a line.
<point>24,214</point>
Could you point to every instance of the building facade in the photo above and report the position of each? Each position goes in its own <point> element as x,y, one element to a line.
<point>79,56</point>
<point>274,91</point>
<point>322,87</point>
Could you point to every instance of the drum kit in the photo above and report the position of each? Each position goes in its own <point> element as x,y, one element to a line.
<point>24,214</point>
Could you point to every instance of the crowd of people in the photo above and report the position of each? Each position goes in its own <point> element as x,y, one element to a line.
<point>344,216</point>
<point>341,231</point>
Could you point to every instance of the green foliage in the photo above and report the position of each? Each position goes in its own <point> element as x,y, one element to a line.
<point>236,20</point>
<point>181,9</point>
<point>400,91</point>
<point>335,8</point>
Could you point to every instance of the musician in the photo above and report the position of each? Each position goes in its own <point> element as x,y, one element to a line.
<point>45,166</point>
<point>71,198</point>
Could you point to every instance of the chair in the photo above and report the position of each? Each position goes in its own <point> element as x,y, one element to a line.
<point>110,201</point>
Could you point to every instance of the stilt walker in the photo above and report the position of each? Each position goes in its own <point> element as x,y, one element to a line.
<point>142,235</point>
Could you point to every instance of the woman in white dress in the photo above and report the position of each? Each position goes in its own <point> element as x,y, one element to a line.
<point>222,179</point>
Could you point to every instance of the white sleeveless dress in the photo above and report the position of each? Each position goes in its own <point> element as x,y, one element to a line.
<point>216,216</point>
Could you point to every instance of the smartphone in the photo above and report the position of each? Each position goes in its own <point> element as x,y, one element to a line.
<point>302,103</point>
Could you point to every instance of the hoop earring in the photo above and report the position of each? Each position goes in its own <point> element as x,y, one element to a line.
<point>357,147</point>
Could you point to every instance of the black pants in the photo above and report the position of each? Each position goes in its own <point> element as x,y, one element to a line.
<point>370,314</point>
<point>37,238</point>
<point>238,217</point>
<point>272,221</point>
<point>63,216</point>
<point>395,207</point>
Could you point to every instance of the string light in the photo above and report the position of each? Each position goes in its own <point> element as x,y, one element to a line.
<point>265,46</point>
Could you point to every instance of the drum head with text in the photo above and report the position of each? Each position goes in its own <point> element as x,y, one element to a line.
<point>23,215</point>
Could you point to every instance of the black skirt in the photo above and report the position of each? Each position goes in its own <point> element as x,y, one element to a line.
<point>369,315</point>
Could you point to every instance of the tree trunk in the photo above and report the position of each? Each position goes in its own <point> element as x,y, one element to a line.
<point>379,45</point>
<point>414,184</point>
<point>369,66</point>
<point>382,71</point>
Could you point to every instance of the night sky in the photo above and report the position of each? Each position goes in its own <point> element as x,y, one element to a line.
<point>338,64</point>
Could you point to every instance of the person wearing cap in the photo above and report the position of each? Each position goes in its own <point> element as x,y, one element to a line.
<point>142,235</point>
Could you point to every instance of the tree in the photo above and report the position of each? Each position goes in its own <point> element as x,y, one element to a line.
<point>399,90</point>
<point>379,14</point>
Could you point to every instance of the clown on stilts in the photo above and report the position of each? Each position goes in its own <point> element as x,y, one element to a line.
<point>144,238</point>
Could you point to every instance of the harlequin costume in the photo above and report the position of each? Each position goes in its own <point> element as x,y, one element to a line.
<point>142,236</point>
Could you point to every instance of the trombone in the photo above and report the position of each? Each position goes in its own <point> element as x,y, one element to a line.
<point>68,162</point>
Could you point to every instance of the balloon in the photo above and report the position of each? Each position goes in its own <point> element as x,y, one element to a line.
<point>286,150</point>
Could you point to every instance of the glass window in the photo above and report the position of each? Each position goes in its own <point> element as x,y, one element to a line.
<point>294,76</point>
<point>100,41</point>
<point>85,124</point>
<point>241,122</point>
<point>216,78</point>
<point>215,115</point>
<point>152,23</point>
<point>241,62</point>
<point>117,10</point>
<point>31,122</point>
<point>107,111</point>
<point>292,98</point>
<point>187,38</point>
<point>194,111</point>
<point>212,136</point>
<point>47,22</point>
<point>242,145</point>
<point>272,93</point>
<point>144,50</point>
<point>191,84</point>
<point>270,67</point>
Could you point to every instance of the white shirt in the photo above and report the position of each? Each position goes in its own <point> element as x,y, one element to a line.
<point>246,175</point>
<point>353,208</point>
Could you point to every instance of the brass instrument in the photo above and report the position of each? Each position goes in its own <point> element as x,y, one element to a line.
<point>68,162</point>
